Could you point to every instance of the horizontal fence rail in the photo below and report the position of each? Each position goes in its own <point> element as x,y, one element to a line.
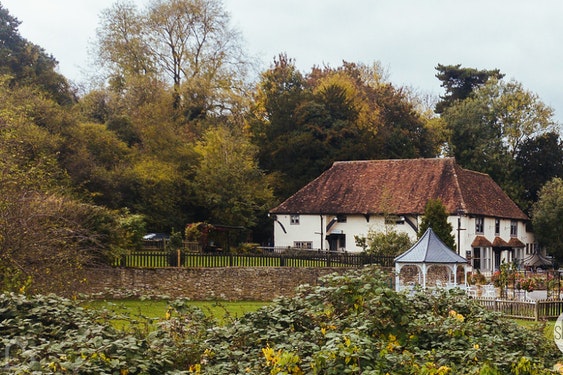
<point>536,310</point>
<point>160,258</point>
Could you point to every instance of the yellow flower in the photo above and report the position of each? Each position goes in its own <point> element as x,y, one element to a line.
<point>475,346</point>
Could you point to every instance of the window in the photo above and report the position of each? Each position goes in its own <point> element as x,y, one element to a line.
<point>341,218</point>
<point>479,224</point>
<point>294,220</point>
<point>394,220</point>
<point>513,228</point>
<point>477,258</point>
<point>303,244</point>
<point>497,226</point>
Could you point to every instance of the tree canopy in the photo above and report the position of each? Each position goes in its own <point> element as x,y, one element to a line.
<point>460,82</point>
<point>436,217</point>
<point>548,216</point>
<point>176,131</point>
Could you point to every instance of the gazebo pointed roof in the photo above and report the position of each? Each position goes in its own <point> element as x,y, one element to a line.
<point>430,249</point>
<point>537,260</point>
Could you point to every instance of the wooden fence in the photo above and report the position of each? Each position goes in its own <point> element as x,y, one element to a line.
<point>534,310</point>
<point>159,259</point>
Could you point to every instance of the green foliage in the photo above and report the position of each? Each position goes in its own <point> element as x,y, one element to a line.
<point>305,123</point>
<point>488,129</point>
<point>388,243</point>
<point>29,64</point>
<point>436,217</point>
<point>539,160</point>
<point>355,324</point>
<point>460,82</point>
<point>228,182</point>
<point>351,323</point>
<point>548,216</point>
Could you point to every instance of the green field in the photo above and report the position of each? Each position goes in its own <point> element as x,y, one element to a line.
<point>149,312</point>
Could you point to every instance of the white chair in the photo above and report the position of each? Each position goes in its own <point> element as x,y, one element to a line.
<point>489,291</point>
<point>471,291</point>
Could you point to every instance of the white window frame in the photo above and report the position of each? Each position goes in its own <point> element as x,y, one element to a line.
<point>479,225</point>
<point>303,244</point>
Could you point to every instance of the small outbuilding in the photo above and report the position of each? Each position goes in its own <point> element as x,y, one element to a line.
<point>427,252</point>
<point>537,260</point>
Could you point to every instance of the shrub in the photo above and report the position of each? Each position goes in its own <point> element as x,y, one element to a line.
<point>351,323</point>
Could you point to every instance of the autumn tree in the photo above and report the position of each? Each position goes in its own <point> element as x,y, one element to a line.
<point>188,44</point>
<point>548,216</point>
<point>488,128</point>
<point>228,182</point>
<point>46,234</point>
<point>436,217</point>
<point>305,123</point>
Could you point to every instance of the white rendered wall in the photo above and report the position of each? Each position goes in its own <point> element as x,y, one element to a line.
<point>312,228</point>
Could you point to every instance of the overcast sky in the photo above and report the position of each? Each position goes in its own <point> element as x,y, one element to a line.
<point>522,38</point>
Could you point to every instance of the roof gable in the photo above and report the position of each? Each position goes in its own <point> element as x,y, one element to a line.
<point>401,186</point>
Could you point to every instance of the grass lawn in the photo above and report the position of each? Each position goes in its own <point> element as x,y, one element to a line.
<point>150,311</point>
<point>547,329</point>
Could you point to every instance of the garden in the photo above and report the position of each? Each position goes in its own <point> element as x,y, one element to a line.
<point>351,323</point>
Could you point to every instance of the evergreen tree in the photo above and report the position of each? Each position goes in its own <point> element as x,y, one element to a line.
<point>436,217</point>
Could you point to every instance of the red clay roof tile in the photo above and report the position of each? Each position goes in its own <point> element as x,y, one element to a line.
<point>402,187</point>
<point>481,241</point>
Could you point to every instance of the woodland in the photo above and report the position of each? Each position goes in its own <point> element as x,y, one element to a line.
<point>178,126</point>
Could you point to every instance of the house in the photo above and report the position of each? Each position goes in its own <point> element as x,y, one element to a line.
<point>353,197</point>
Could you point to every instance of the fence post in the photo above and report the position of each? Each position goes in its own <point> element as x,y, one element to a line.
<point>179,255</point>
<point>536,310</point>
<point>231,260</point>
<point>282,260</point>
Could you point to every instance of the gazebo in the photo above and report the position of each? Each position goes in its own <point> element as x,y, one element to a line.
<point>537,260</point>
<point>429,251</point>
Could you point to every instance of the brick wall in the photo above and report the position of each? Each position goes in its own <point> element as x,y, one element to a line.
<point>230,284</point>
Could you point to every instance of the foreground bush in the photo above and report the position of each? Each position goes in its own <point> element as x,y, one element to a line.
<point>352,323</point>
<point>356,324</point>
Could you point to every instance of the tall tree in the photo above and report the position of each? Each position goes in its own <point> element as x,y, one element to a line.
<point>488,128</point>
<point>187,43</point>
<point>460,82</point>
<point>539,160</point>
<point>548,216</point>
<point>305,123</point>
<point>228,183</point>
<point>436,217</point>
<point>29,64</point>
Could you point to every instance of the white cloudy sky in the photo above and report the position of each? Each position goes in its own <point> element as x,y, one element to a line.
<point>522,38</point>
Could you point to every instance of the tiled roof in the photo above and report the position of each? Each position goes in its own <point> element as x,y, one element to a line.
<point>481,241</point>
<point>515,242</point>
<point>400,187</point>
<point>499,242</point>
<point>430,249</point>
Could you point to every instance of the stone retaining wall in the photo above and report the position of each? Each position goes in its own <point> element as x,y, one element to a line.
<point>229,284</point>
